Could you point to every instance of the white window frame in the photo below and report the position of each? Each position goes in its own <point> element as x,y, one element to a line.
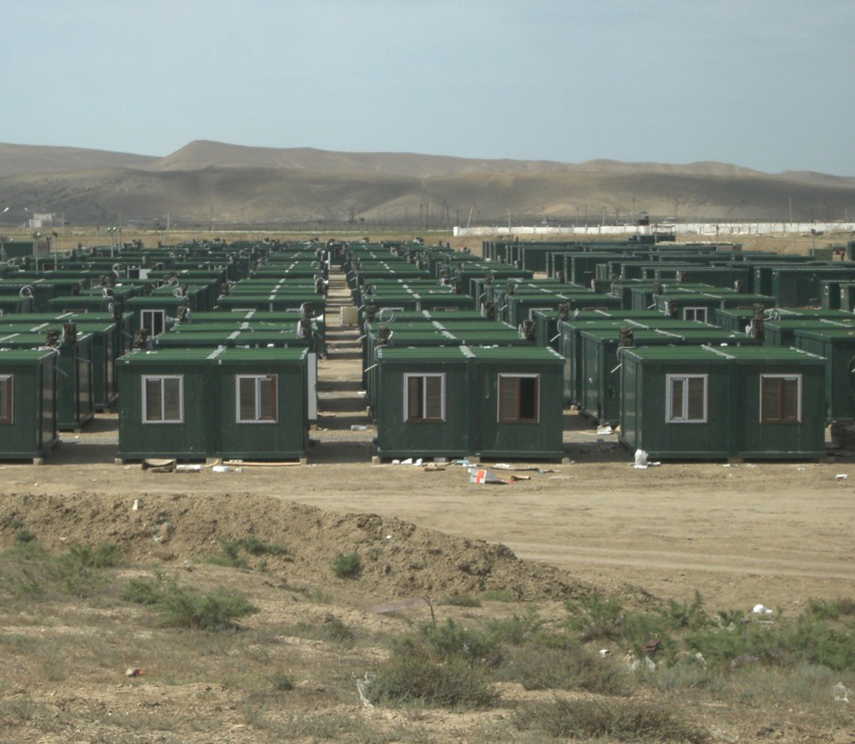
<point>162,378</point>
<point>525,375</point>
<point>798,378</point>
<point>669,400</point>
<point>695,311</point>
<point>9,419</point>
<point>153,311</point>
<point>256,420</point>
<point>407,377</point>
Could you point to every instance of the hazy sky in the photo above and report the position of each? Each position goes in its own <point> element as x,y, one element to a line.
<point>768,84</point>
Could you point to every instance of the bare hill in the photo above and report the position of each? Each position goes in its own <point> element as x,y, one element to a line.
<point>215,182</point>
<point>279,195</point>
<point>205,154</point>
<point>26,159</point>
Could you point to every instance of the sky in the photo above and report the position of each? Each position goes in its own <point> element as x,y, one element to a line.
<point>765,84</point>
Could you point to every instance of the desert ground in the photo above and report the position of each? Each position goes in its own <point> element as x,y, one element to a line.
<point>777,534</point>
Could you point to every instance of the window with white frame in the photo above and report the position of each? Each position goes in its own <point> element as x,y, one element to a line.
<point>163,399</point>
<point>154,321</point>
<point>6,400</point>
<point>687,401</point>
<point>519,399</point>
<point>780,399</point>
<point>257,399</point>
<point>695,313</point>
<point>424,397</point>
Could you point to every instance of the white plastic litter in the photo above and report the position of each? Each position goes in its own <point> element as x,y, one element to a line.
<point>760,609</point>
<point>408,461</point>
<point>642,462</point>
<point>605,430</point>
<point>604,652</point>
<point>841,476</point>
<point>841,692</point>
<point>226,469</point>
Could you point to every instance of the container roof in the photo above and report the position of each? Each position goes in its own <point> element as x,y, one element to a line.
<point>714,355</point>
<point>22,356</point>
<point>440,354</point>
<point>538,354</point>
<point>249,356</point>
<point>169,356</point>
<point>835,335</point>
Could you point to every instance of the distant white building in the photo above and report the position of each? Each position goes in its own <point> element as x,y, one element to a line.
<point>38,221</point>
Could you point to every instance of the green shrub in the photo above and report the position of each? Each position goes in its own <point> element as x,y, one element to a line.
<point>347,565</point>
<point>180,608</point>
<point>623,721</point>
<point>24,536</point>
<point>450,640</point>
<point>331,630</point>
<point>517,629</point>
<point>415,675</point>
<point>215,611</point>
<point>831,610</point>
<point>254,546</point>
<point>86,555</point>
<point>229,555</point>
<point>540,668</point>
<point>281,681</point>
<point>596,618</point>
<point>145,591</point>
<point>691,615</point>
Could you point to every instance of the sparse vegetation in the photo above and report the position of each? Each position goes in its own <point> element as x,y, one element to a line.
<point>281,681</point>
<point>331,629</point>
<point>229,555</point>
<point>498,595</point>
<point>32,571</point>
<point>416,673</point>
<point>462,600</point>
<point>181,608</point>
<point>621,721</point>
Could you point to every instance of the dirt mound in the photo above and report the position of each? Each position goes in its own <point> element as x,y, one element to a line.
<point>397,558</point>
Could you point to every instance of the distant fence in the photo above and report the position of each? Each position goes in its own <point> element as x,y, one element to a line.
<point>689,228</point>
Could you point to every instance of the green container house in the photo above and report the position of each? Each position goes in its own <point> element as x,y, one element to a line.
<point>261,404</point>
<point>198,403</point>
<point>15,304</point>
<point>74,398</point>
<point>601,369</point>
<point>518,401</point>
<point>837,347</point>
<point>782,333</point>
<point>700,402</point>
<point>166,409</point>
<point>28,429</point>
<point>570,343</point>
<point>424,410</point>
<point>485,402</point>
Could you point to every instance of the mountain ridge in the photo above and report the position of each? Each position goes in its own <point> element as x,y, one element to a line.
<point>211,181</point>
